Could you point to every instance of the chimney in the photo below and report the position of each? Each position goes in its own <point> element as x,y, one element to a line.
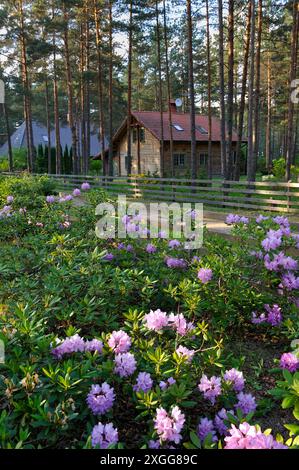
<point>173,107</point>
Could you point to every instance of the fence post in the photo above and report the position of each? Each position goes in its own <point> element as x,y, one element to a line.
<point>288,196</point>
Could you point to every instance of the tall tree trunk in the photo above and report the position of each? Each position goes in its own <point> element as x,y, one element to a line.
<point>230,97</point>
<point>256,127</point>
<point>10,153</point>
<point>82,97</point>
<point>160,88</point>
<point>47,99</point>
<point>168,88</point>
<point>56,104</point>
<point>110,157</point>
<point>100,85</point>
<point>26,87</point>
<point>291,106</point>
<point>250,156</point>
<point>129,110</point>
<point>269,113</point>
<point>192,91</point>
<point>72,121</point>
<point>222,88</point>
<point>210,163</point>
<point>243,95</point>
<point>87,86</point>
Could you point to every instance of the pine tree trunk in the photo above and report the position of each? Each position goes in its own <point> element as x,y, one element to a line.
<point>69,78</point>
<point>250,156</point>
<point>47,99</point>
<point>26,88</point>
<point>100,86</point>
<point>243,95</point>
<point>82,98</point>
<point>129,110</point>
<point>192,91</point>
<point>230,98</point>
<point>256,130</point>
<point>269,114</point>
<point>222,89</point>
<point>291,106</point>
<point>110,157</point>
<point>160,88</point>
<point>56,106</point>
<point>210,163</point>
<point>168,88</point>
<point>87,88</point>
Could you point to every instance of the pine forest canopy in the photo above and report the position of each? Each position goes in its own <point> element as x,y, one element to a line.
<point>88,63</point>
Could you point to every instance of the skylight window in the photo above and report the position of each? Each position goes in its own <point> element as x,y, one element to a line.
<point>202,130</point>
<point>178,127</point>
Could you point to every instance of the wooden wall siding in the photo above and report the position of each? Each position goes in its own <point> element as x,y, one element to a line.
<point>149,155</point>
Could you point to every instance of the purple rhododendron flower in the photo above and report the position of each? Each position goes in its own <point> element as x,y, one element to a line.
<point>169,426</point>
<point>261,218</point>
<point>272,242</point>
<point>180,324</point>
<point>248,437</point>
<point>232,219</point>
<point>174,244</point>
<point>280,220</point>
<point>211,388</point>
<point>108,257</point>
<point>119,342</point>
<point>76,192</point>
<point>151,248</point>
<point>50,199</point>
<point>144,383</point>
<point>104,435</point>
<point>273,316</point>
<point>94,345</point>
<point>100,398</point>
<point>176,263</point>
<point>205,275</point>
<point>206,427</point>
<point>246,403</point>
<point>156,320</point>
<point>290,281</point>
<point>164,385</point>
<point>10,199</point>
<point>236,378</point>
<point>70,345</point>
<point>85,186</point>
<point>289,362</point>
<point>185,352</point>
<point>125,364</point>
<point>219,423</point>
<point>154,444</point>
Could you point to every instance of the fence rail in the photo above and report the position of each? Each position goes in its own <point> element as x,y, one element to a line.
<point>264,196</point>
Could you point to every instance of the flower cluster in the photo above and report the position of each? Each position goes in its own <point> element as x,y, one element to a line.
<point>250,437</point>
<point>289,361</point>
<point>236,378</point>
<point>211,388</point>
<point>125,364</point>
<point>205,275</point>
<point>158,320</point>
<point>175,263</point>
<point>169,426</point>
<point>119,342</point>
<point>233,219</point>
<point>75,344</point>
<point>104,435</point>
<point>144,383</point>
<point>100,398</point>
<point>273,316</point>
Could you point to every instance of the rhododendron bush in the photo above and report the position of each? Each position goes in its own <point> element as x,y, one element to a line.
<point>141,343</point>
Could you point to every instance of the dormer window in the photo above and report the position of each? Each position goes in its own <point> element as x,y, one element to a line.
<point>202,130</point>
<point>177,127</point>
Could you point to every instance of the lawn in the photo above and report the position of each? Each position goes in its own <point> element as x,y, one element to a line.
<point>140,343</point>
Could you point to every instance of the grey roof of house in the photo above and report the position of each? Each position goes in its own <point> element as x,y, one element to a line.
<point>19,138</point>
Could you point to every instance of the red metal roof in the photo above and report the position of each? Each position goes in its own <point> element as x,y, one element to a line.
<point>152,121</point>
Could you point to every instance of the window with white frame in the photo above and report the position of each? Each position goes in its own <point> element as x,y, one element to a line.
<point>179,160</point>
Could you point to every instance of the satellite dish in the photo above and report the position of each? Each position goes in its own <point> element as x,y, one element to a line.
<point>178,102</point>
<point>2,92</point>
